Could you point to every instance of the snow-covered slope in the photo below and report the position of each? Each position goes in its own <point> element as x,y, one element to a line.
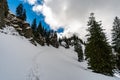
<point>16,55</point>
<point>20,60</point>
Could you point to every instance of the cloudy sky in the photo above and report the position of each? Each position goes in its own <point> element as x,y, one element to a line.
<point>73,15</point>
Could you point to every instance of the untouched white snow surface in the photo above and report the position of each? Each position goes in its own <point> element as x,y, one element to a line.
<point>20,60</point>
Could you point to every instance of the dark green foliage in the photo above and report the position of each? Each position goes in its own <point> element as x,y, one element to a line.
<point>75,42</point>
<point>98,51</point>
<point>24,15</point>
<point>118,61</point>
<point>43,36</point>
<point>21,12</point>
<point>67,43</point>
<point>64,42</point>
<point>34,25</point>
<point>40,29</point>
<point>53,39</point>
<point>78,48</point>
<point>47,38</point>
<point>37,33</point>
<point>116,39</point>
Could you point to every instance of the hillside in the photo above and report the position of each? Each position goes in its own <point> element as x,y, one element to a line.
<point>32,52</point>
<point>21,60</point>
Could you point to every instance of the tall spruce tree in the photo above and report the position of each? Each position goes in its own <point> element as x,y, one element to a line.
<point>34,25</point>
<point>21,12</point>
<point>24,15</point>
<point>53,39</point>
<point>40,29</point>
<point>116,39</point>
<point>48,38</point>
<point>98,51</point>
<point>34,29</point>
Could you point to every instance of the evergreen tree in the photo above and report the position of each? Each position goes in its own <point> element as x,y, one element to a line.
<point>78,49</point>
<point>67,43</point>
<point>98,51</point>
<point>40,29</point>
<point>21,12</point>
<point>34,25</point>
<point>76,42</point>
<point>116,39</point>
<point>56,43</point>
<point>53,39</point>
<point>48,38</point>
<point>24,15</point>
<point>37,33</point>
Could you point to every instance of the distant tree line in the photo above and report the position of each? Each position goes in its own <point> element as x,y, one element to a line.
<point>98,52</point>
<point>43,36</point>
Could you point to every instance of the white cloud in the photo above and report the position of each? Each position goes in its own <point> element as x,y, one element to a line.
<point>37,8</point>
<point>32,2</point>
<point>50,18</point>
<point>73,14</point>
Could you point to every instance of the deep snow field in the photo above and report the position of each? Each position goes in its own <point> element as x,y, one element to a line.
<point>20,60</point>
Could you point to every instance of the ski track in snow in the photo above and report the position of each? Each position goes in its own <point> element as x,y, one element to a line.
<point>34,73</point>
<point>55,58</point>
